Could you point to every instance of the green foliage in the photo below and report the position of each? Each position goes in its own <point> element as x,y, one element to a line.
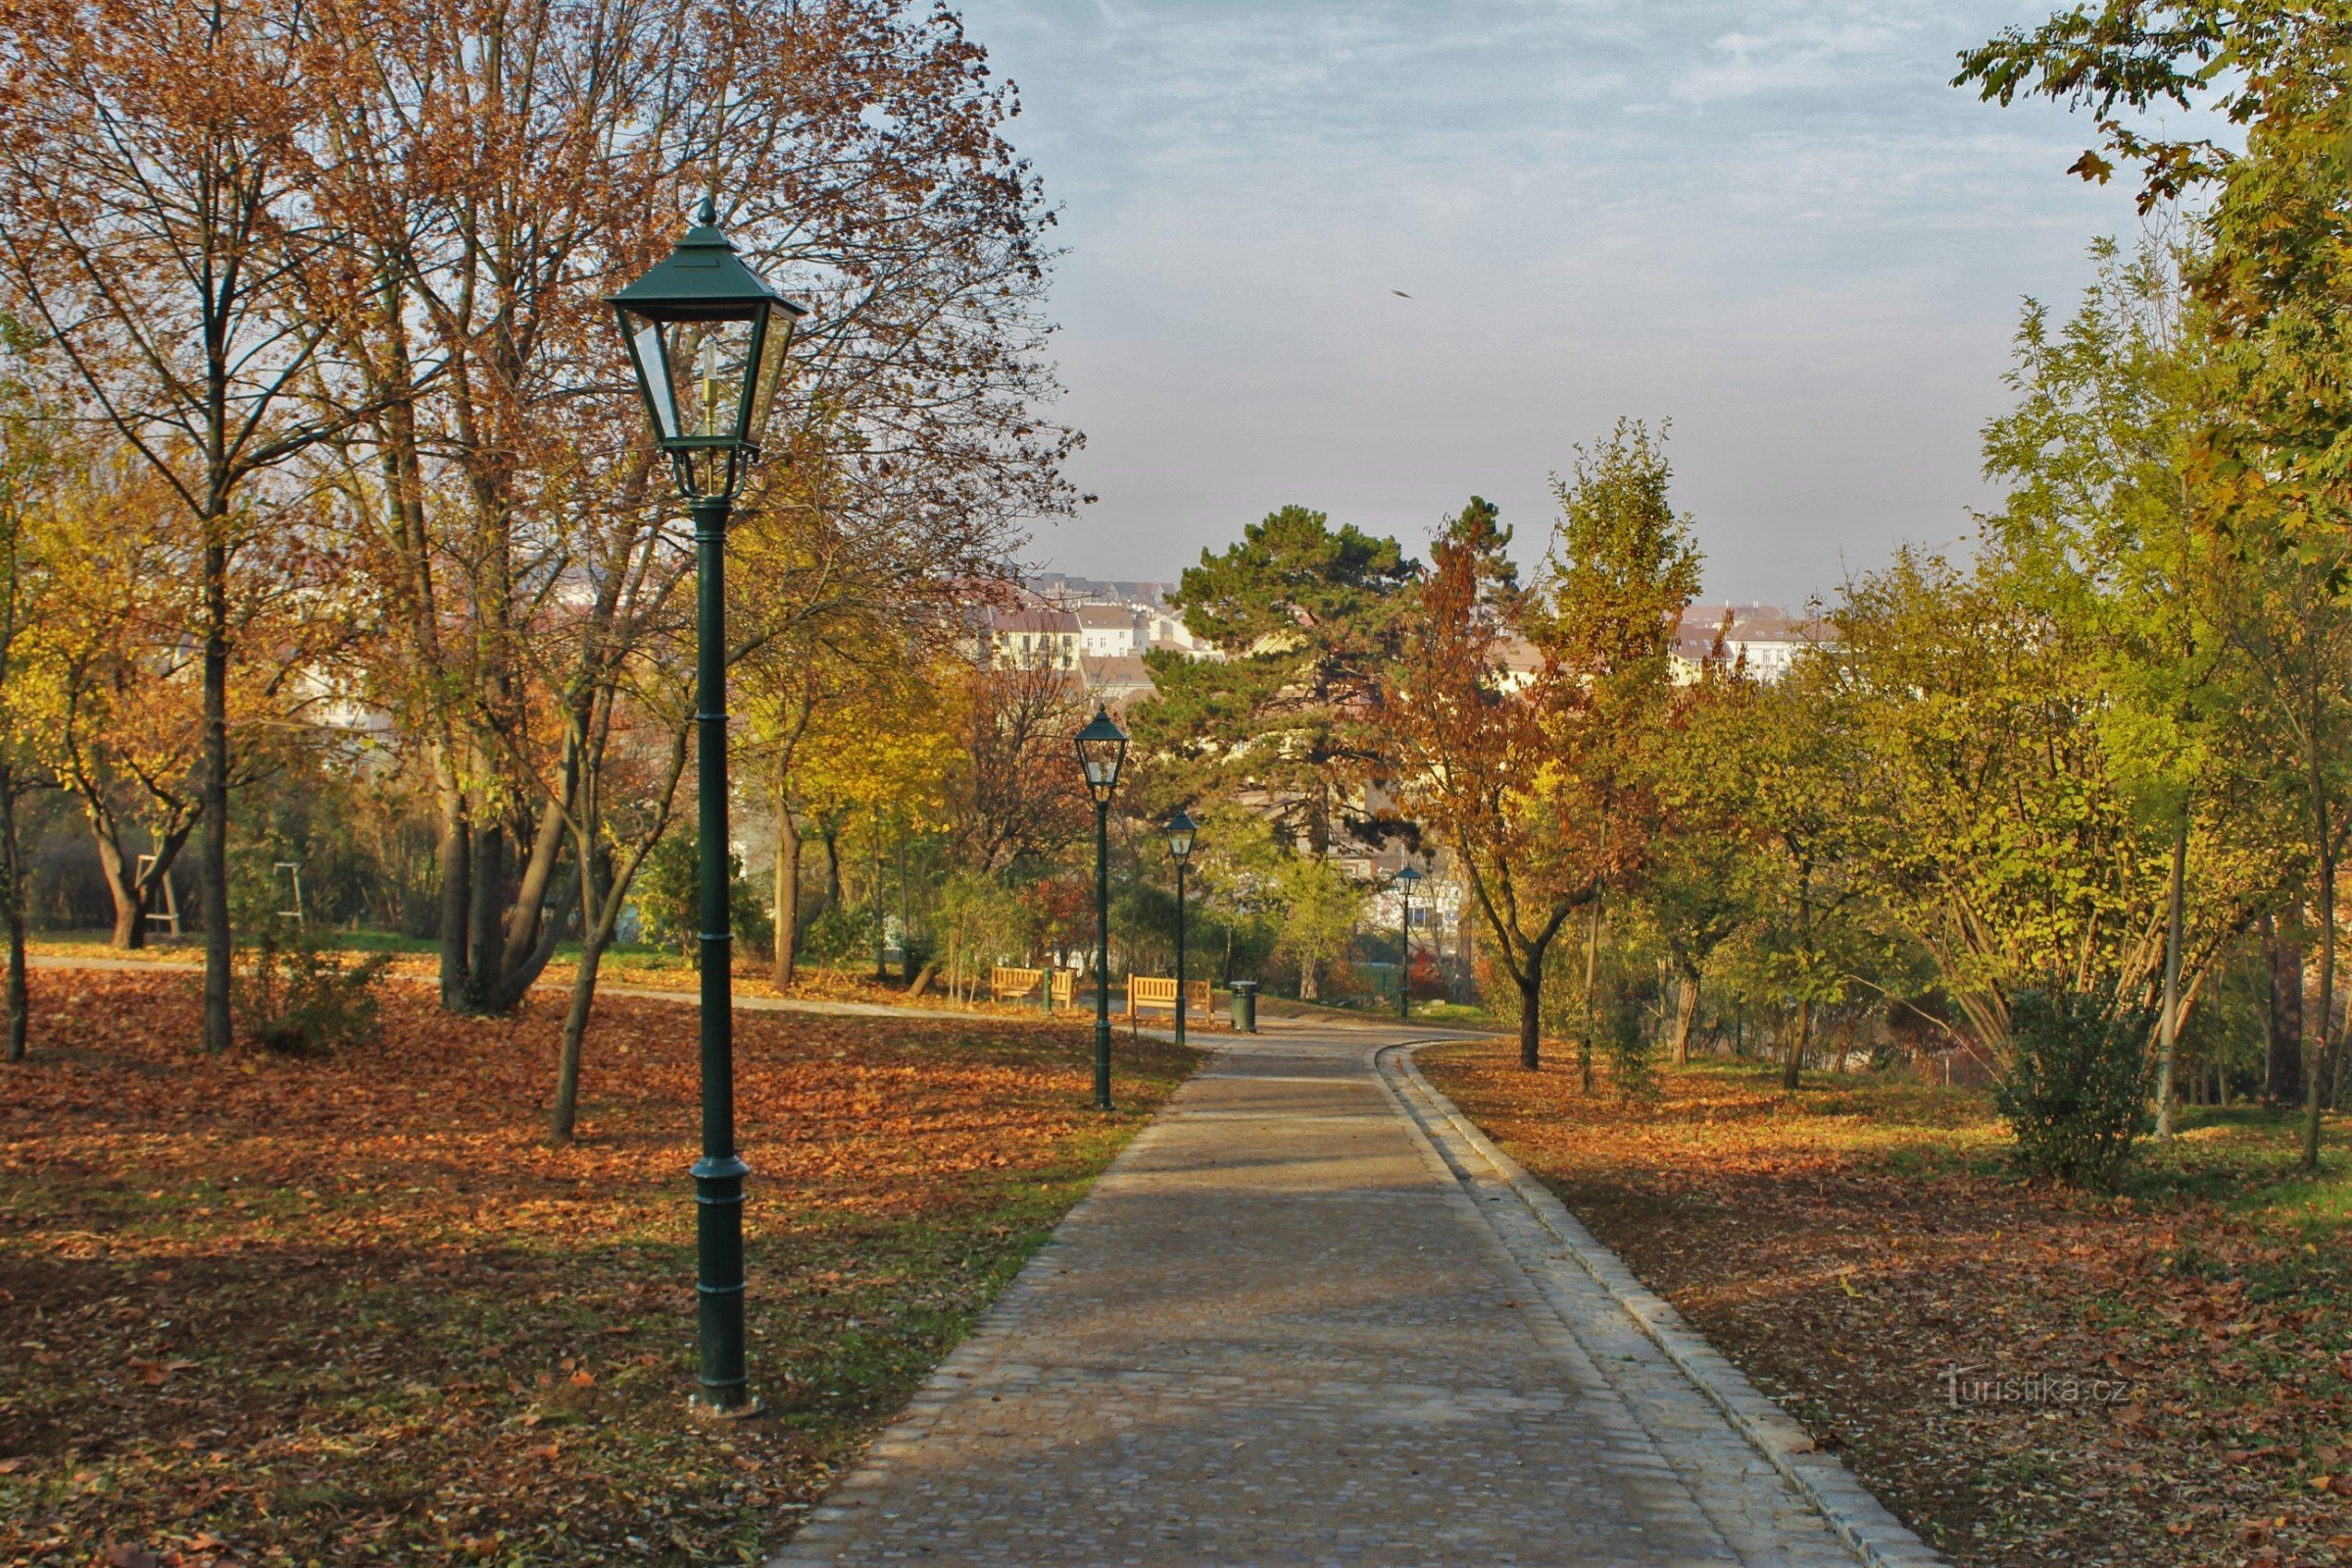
<point>839,932</point>
<point>981,921</point>
<point>1307,616</point>
<point>2075,1082</point>
<point>297,996</point>
<point>1623,566</point>
<point>1320,911</point>
<point>1620,1013</point>
<point>668,892</point>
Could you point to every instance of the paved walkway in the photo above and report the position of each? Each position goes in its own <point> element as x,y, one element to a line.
<point>1302,1321</point>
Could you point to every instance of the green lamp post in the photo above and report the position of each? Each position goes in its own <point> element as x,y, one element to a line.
<point>1182,830</point>
<point>1102,750</point>
<point>1406,880</point>
<point>707,336</point>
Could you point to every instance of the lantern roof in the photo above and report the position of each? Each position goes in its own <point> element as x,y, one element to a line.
<point>1101,728</point>
<point>701,280</point>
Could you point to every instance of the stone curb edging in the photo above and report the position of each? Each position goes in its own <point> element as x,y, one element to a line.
<point>1864,1523</point>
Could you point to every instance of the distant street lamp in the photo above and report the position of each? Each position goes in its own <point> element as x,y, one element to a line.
<point>1101,748</point>
<point>1182,829</point>
<point>1406,880</point>
<point>707,336</point>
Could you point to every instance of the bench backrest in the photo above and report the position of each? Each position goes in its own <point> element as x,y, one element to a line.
<point>1005,984</point>
<point>1160,991</point>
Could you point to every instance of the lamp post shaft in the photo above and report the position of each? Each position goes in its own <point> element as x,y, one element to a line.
<point>1179,952</point>
<point>1101,954</point>
<point>719,1175</point>
<point>1404,954</point>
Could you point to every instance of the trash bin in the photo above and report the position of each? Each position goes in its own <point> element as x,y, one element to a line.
<point>1244,1006</point>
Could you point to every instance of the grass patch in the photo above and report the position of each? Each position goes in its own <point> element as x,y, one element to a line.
<point>355,1311</point>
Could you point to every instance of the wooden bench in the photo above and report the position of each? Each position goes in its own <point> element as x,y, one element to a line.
<point>1017,985</point>
<point>1160,991</point>
<point>1011,984</point>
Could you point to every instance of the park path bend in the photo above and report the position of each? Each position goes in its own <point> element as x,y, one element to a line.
<point>1283,1329</point>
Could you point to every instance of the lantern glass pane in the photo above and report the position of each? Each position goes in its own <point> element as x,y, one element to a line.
<point>1101,758</point>
<point>775,339</point>
<point>651,354</point>
<point>703,378</point>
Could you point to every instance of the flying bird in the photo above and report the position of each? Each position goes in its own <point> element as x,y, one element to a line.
<point>1400,294</point>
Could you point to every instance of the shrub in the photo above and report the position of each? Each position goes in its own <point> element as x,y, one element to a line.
<point>668,893</point>
<point>1625,1044</point>
<point>841,933</point>
<point>2076,1087</point>
<point>294,996</point>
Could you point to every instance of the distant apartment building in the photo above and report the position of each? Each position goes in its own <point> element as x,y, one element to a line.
<point>1761,641</point>
<point>1035,638</point>
<point>1161,629</point>
<point>1106,631</point>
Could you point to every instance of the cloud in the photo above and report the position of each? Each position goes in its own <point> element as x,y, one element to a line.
<point>1772,218</point>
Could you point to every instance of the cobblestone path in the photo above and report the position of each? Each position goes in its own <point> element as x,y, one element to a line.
<point>1298,1323</point>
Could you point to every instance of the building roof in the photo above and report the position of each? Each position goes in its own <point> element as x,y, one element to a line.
<point>1034,620</point>
<point>1103,617</point>
<point>1117,678</point>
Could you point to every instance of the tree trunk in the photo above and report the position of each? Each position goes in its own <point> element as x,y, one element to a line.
<point>561,1120</point>
<point>2168,1037</point>
<point>1685,1014</point>
<point>1584,1028</point>
<point>130,908</point>
<point>2283,1061</point>
<point>788,893</point>
<point>213,867</point>
<point>2315,1052</point>
<point>1531,1013</point>
<point>482,934</point>
<point>1308,989</point>
<point>832,867</point>
<point>12,907</point>
<point>1793,1063</point>
<point>133,892</point>
<point>455,851</point>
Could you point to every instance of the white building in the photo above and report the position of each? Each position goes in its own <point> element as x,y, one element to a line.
<point>1035,638</point>
<point>1106,631</point>
<point>1759,641</point>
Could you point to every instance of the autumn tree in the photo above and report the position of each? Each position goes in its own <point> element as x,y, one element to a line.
<point>1543,785</point>
<point>1015,796</point>
<point>508,168</point>
<point>1469,744</point>
<point>29,567</point>
<point>156,159</point>
<point>2268,278</point>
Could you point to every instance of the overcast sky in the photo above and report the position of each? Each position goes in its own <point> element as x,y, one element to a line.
<point>1769,221</point>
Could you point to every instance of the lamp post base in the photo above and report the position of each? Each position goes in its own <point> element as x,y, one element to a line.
<point>702,1410</point>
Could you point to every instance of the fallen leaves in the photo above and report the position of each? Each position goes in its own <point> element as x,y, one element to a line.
<point>356,1309</point>
<point>1851,1246</point>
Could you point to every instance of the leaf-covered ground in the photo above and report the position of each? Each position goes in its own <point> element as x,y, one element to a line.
<point>1862,1250</point>
<point>646,968</point>
<point>356,1310</point>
